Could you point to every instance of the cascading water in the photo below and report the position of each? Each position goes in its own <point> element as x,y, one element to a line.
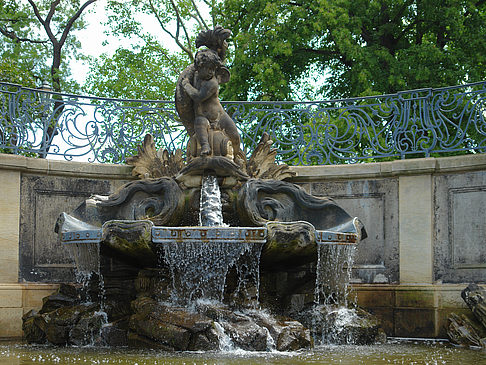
<point>88,273</point>
<point>332,313</point>
<point>199,266</point>
<point>333,272</point>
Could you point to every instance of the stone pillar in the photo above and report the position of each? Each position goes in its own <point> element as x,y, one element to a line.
<point>9,227</point>
<point>415,196</point>
<point>10,293</point>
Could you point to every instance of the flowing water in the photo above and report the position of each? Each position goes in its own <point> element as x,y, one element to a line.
<point>333,272</point>
<point>200,268</point>
<point>210,212</point>
<point>334,312</point>
<point>394,352</point>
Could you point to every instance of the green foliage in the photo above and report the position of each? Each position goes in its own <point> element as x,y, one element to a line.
<point>147,67</point>
<point>28,50</point>
<point>148,73</point>
<point>362,47</point>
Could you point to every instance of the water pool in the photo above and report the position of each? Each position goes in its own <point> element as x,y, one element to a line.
<point>393,352</point>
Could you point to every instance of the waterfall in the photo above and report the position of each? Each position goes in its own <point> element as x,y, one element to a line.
<point>332,317</point>
<point>199,269</point>
<point>333,273</point>
<point>201,257</point>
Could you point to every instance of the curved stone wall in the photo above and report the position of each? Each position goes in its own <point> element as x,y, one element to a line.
<point>424,217</point>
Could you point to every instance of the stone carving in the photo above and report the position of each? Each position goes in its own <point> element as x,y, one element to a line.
<point>261,201</point>
<point>153,163</point>
<point>211,130</point>
<point>262,163</point>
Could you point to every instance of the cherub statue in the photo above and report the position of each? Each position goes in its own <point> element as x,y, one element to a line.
<point>197,101</point>
<point>209,113</point>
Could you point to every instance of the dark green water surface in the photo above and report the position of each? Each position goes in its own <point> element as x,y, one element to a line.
<point>391,353</point>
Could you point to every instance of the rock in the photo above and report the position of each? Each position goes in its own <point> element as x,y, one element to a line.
<point>138,341</point>
<point>32,332</point>
<point>294,336</point>
<point>205,341</point>
<point>115,333</point>
<point>174,327</point>
<point>340,325</point>
<point>466,331</point>
<point>57,324</point>
<point>475,298</point>
<point>155,283</point>
<point>246,335</point>
<point>156,330</point>
<point>287,334</point>
<point>56,334</point>
<point>87,330</point>
<point>462,331</point>
<point>69,290</point>
<point>67,295</point>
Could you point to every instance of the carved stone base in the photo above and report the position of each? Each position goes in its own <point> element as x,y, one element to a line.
<point>218,141</point>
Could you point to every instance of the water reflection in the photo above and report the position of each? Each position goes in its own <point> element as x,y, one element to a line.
<point>390,353</point>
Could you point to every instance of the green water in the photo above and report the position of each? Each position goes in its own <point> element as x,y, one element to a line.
<point>390,353</point>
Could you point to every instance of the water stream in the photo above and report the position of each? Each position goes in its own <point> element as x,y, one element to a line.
<point>334,313</point>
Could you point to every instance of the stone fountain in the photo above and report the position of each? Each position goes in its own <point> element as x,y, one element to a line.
<point>186,257</point>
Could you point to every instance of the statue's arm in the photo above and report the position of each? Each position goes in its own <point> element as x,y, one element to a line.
<point>208,89</point>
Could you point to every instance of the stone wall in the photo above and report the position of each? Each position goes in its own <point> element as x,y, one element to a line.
<point>424,218</point>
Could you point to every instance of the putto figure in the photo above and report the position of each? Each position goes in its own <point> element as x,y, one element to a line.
<point>211,130</point>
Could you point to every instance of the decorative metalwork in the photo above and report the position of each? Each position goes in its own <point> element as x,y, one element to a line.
<point>417,123</point>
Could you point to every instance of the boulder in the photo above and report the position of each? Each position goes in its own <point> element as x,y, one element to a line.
<point>341,325</point>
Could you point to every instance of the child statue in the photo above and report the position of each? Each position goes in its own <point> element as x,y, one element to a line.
<point>197,101</point>
<point>209,113</point>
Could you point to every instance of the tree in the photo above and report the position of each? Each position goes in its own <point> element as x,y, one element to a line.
<point>146,72</point>
<point>34,32</point>
<point>363,47</point>
<point>149,66</point>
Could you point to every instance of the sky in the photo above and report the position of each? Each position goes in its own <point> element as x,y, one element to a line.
<point>94,40</point>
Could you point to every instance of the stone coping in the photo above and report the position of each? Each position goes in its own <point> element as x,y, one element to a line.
<point>430,165</point>
<point>64,168</point>
<point>304,173</point>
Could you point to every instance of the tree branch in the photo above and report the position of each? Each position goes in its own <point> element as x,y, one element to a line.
<point>199,15</point>
<point>36,12</point>
<point>180,22</point>
<point>52,10</point>
<point>174,37</point>
<point>46,23</point>
<point>73,19</point>
<point>15,38</point>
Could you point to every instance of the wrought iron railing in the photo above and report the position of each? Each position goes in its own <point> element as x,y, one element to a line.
<point>417,123</point>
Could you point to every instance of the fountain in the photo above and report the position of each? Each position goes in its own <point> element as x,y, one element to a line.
<point>186,257</point>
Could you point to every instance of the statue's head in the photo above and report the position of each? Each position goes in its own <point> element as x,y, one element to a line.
<point>208,64</point>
